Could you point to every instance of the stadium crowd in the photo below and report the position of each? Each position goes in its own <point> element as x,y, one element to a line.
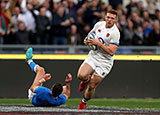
<point>68,22</point>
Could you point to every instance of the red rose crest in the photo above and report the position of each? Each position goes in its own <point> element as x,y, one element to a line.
<point>107,35</point>
<point>99,30</point>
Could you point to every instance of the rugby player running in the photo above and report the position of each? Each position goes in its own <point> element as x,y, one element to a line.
<point>42,96</point>
<point>100,61</point>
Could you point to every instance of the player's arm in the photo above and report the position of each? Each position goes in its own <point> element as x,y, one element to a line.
<point>40,82</point>
<point>66,88</point>
<point>110,49</point>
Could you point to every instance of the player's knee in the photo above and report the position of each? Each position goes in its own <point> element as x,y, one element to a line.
<point>40,69</point>
<point>81,76</point>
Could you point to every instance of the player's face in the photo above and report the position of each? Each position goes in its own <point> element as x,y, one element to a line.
<point>110,20</point>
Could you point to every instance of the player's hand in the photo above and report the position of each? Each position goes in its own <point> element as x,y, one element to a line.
<point>94,41</point>
<point>86,41</point>
<point>68,78</point>
<point>47,76</point>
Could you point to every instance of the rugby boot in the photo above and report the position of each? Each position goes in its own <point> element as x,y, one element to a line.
<point>29,54</point>
<point>82,106</point>
<point>84,84</point>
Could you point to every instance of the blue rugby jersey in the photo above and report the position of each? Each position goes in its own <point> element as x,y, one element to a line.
<point>43,97</point>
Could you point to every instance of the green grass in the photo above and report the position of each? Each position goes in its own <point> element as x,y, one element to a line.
<point>14,101</point>
<point>144,104</point>
<point>149,104</point>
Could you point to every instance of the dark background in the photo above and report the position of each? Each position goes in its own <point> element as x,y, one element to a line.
<point>130,79</point>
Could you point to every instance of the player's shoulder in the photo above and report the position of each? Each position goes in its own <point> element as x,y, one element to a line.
<point>115,29</point>
<point>116,32</point>
<point>63,98</point>
<point>42,88</point>
<point>101,23</point>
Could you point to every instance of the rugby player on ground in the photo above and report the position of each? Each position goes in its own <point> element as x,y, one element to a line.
<point>39,95</point>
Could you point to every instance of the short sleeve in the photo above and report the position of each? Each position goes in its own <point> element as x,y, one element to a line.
<point>115,38</point>
<point>61,99</point>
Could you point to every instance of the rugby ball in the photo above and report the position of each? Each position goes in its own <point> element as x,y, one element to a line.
<point>90,46</point>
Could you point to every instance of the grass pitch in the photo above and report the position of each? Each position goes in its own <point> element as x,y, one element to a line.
<point>135,104</point>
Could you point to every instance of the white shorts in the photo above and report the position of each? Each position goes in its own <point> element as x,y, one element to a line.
<point>101,67</point>
<point>30,95</point>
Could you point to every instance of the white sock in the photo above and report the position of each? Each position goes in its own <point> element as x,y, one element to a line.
<point>29,61</point>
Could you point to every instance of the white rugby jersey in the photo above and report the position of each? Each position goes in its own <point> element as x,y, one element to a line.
<point>106,36</point>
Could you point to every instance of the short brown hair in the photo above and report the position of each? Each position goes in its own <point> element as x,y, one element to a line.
<point>112,11</point>
<point>57,89</point>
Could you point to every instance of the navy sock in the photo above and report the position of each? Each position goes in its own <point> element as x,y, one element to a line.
<point>84,100</point>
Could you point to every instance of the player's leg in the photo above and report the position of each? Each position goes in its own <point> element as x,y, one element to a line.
<point>84,71</point>
<point>40,73</point>
<point>31,63</point>
<point>84,75</point>
<point>95,80</point>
